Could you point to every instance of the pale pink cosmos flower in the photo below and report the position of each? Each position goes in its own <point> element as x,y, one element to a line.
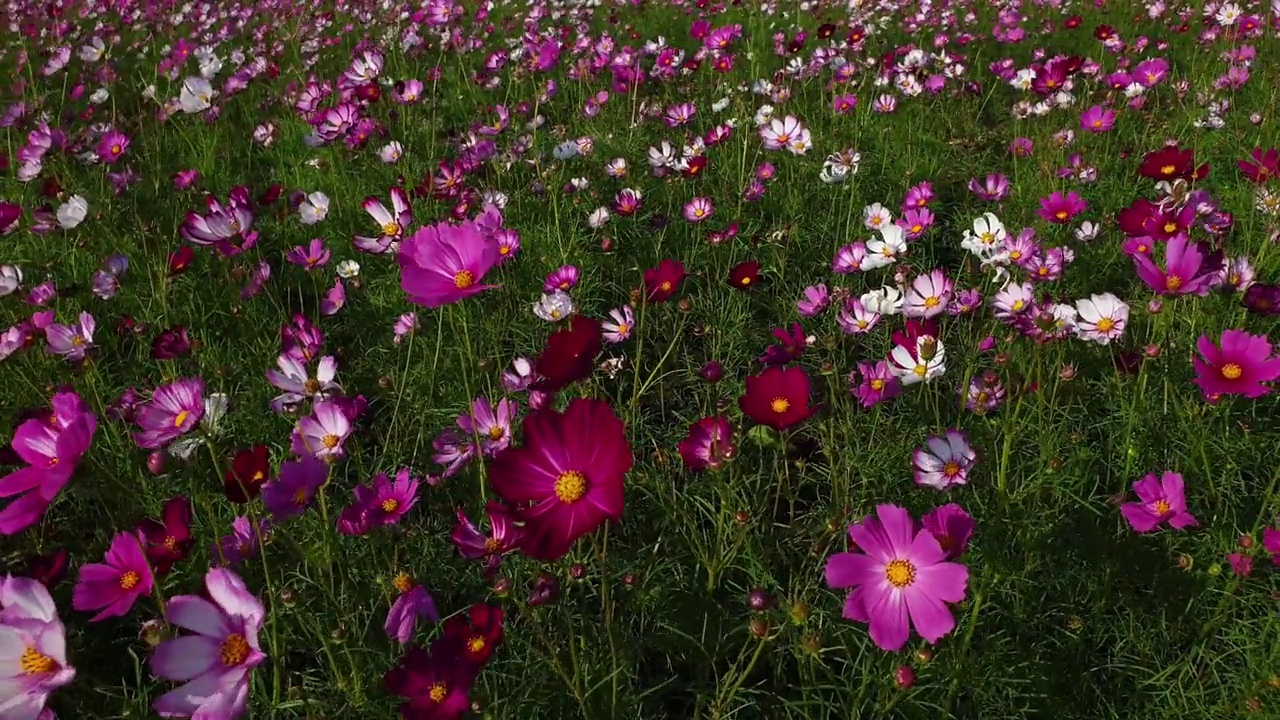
<point>944,461</point>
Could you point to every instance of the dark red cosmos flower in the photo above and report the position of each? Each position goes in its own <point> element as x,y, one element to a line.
<point>180,259</point>
<point>695,166</point>
<point>250,470</point>
<point>826,30</point>
<point>776,397</point>
<point>479,632</point>
<point>1072,22</point>
<point>1102,32</point>
<point>271,194</point>
<point>1263,299</point>
<point>435,685</point>
<point>1164,224</point>
<point>745,275</point>
<point>1172,163</point>
<point>47,569</point>
<point>663,282</point>
<point>171,344</point>
<point>566,479</point>
<point>570,354</point>
<point>169,538</point>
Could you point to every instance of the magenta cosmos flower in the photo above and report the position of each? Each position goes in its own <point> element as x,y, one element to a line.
<point>114,584</point>
<point>322,433</point>
<point>1059,208</point>
<point>1160,500</point>
<point>1240,364</point>
<point>900,578</point>
<point>172,411</point>
<point>52,448</point>
<point>708,445</point>
<point>383,502</point>
<point>567,477</point>
<point>444,264</point>
<point>33,662</point>
<point>1189,268</point>
<point>214,663</point>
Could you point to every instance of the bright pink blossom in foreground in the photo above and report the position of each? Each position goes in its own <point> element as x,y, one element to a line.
<point>567,477</point>
<point>114,584</point>
<point>900,578</point>
<point>1240,364</point>
<point>33,649</point>
<point>215,661</point>
<point>444,264</point>
<point>1160,500</point>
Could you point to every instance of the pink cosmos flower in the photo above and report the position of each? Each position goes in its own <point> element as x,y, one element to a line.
<point>382,502</point>
<point>489,423</point>
<point>444,264</point>
<point>1097,119</point>
<point>1190,268</point>
<point>1160,500</point>
<point>503,536</point>
<point>116,583</point>
<point>945,461</point>
<point>1240,364</point>
<point>34,661</point>
<point>52,448</point>
<point>413,603</point>
<point>698,209</point>
<point>900,578</point>
<point>215,662</point>
<point>928,295</point>
<point>1059,208</point>
<point>322,433</point>
<point>173,410</point>
<point>708,445</point>
<point>71,341</point>
<point>392,223</point>
<point>310,257</point>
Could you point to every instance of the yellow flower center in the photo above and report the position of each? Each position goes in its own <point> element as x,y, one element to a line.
<point>116,149</point>
<point>1106,325</point>
<point>235,650</point>
<point>877,384</point>
<point>504,250</point>
<point>921,370</point>
<point>491,545</point>
<point>1232,371</point>
<point>1018,305</point>
<point>623,328</point>
<point>780,405</point>
<point>1015,254</point>
<point>464,279</point>
<point>1097,123</point>
<point>391,229</point>
<point>1173,282</point>
<point>570,486</point>
<point>33,662</point>
<point>917,228</point>
<point>1162,507</point>
<point>77,341</point>
<point>900,573</point>
<point>402,582</point>
<point>438,692</point>
<point>1061,214</point>
<point>951,469</point>
<point>389,505</point>
<point>496,432</point>
<point>170,543</point>
<point>300,497</point>
<point>1168,170</point>
<point>932,302</point>
<point>1170,227</point>
<point>330,441</point>
<point>665,286</point>
<point>476,644</point>
<point>312,386</point>
<point>746,281</point>
<point>181,418</point>
<point>129,580</point>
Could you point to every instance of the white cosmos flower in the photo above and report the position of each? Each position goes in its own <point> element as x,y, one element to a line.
<point>1101,318</point>
<point>876,216</point>
<point>314,208</point>
<point>73,212</point>
<point>554,307</point>
<point>348,269</point>
<point>885,301</point>
<point>196,95</point>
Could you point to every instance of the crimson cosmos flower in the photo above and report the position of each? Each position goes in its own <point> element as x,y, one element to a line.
<point>776,397</point>
<point>570,354</point>
<point>663,282</point>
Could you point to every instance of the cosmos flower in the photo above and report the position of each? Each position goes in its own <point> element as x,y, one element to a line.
<point>113,585</point>
<point>900,578</point>
<point>1238,364</point>
<point>215,661</point>
<point>35,662</point>
<point>777,397</point>
<point>1160,500</point>
<point>567,477</point>
<point>945,461</point>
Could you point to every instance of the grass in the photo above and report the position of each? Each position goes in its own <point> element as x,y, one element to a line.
<point>1068,612</point>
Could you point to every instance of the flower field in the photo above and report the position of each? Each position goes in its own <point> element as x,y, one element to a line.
<point>622,359</point>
